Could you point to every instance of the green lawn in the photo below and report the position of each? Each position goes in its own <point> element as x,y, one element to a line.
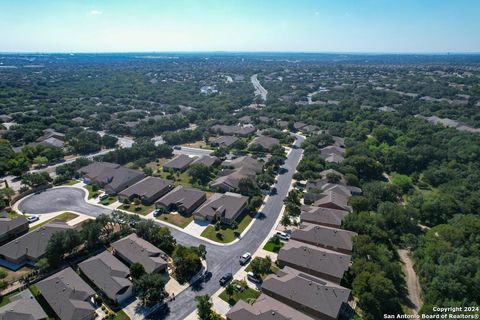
<point>138,209</point>
<point>246,293</point>
<point>272,246</point>
<point>228,234</point>
<point>6,299</point>
<point>108,201</point>
<point>91,193</point>
<point>176,219</point>
<point>181,178</point>
<point>66,216</point>
<point>70,182</point>
<point>121,315</point>
<point>12,214</point>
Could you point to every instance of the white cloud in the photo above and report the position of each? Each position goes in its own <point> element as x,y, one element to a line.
<point>317,13</point>
<point>95,13</point>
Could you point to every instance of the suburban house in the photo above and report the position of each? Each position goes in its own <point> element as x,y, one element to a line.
<point>311,295</point>
<point>322,263</point>
<point>265,308</point>
<point>179,163</point>
<point>52,138</point>
<point>133,249</point>
<point>265,142</point>
<point>224,141</point>
<point>109,275</point>
<point>30,247</point>
<point>245,119</point>
<point>12,228</point>
<point>207,161</point>
<point>231,179</point>
<point>241,131</point>
<point>22,305</point>
<point>323,216</point>
<point>325,237</point>
<point>68,295</point>
<point>225,207</point>
<point>237,169</point>
<point>244,162</point>
<point>181,199</point>
<point>332,154</point>
<point>299,125</point>
<point>147,190</point>
<point>333,200</point>
<point>109,176</point>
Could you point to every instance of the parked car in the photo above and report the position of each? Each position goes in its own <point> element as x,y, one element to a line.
<point>157,212</point>
<point>34,218</point>
<point>177,147</point>
<point>225,279</point>
<point>245,258</point>
<point>253,278</point>
<point>104,197</point>
<point>282,236</point>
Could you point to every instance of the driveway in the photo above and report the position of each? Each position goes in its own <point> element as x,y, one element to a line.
<point>223,259</point>
<point>60,199</point>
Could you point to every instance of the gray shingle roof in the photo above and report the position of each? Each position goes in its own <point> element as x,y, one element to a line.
<point>325,216</point>
<point>265,308</point>
<point>33,244</point>
<point>148,187</point>
<point>7,225</point>
<point>22,306</point>
<point>67,294</point>
<point>226,205</point>
<point>205,160</point>
<point>136,249</point>
<point>334,200</point>
<point>265,142</point>
<point>180,162</point>
<point>225,140</point>
<point>315,295</point>
<point>330,238</point>
<point>315,259</point>
<point>181,196</point>
<point>107,272</point>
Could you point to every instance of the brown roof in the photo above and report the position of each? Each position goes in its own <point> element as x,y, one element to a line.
<point>67,294</point>
<point>227,205</point>
<point>136,249</point>
<point>265,308</point>
<point>180,162</point>
<point>330,238</point>
<point>148,187</point>
<point>181,196</point>
<point>325,216</point>
<point>316,296</point>
<point>265,142</point>
<point>313,259</point>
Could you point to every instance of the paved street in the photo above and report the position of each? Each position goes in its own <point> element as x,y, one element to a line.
<point>223,259</point>
<point>60,199</point>
<point>193,152</point>
<point>220,259</point>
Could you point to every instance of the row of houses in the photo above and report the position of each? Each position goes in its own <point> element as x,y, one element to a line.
<point>313,263</point>
<point>70,294</point>
<point>225,207</point>
<point>234,171</point>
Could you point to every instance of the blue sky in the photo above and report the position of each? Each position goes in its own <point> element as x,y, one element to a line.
<point>240,25</point>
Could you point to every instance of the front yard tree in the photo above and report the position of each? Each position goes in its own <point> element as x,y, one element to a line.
<point>150,288</point>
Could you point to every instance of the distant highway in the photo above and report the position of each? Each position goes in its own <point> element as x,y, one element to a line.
<point>259,90</point>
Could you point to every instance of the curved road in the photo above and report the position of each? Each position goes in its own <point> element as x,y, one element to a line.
<point>220,259</point>
<point>60,199</point>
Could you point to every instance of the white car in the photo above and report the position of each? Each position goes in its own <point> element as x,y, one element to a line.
<point>245,258</point>
<point>34,218</point>
<point>253,278</point>
<point>283,236</point>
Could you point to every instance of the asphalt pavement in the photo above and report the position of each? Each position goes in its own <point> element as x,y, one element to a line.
<point>60,199</point>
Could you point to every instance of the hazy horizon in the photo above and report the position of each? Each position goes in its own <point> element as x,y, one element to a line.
<point>348,26</point>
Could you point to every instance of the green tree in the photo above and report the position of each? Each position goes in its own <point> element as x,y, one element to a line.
<point>136,270</point>
<point>150,288</point>
<point>204,307</point>
<point>199,173</point>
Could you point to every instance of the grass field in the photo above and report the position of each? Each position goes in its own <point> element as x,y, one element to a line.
<point>91,193</point>
<point>140,209</point>
<point>246,293</point>
<point>181,178</point>
<point>227,233</point>
<point>272,246</point>
<point>176,219</point>
<point>108,201</point>
<point>66,216</point>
